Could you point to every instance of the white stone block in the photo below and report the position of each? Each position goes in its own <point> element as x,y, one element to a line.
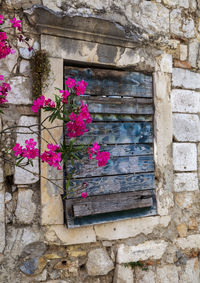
<point>99,263</point>
<point>185,79</point>
<point>24,67</point>
<point>185,101</point>
<point>185,157</point>
<point>190,242</point>
<point>123,274</point>
<point>25,210</point>
<point>164,63</point>
<point>191,272</point>
<point>2,221</point>
<point>167,274</point>
<point>185,182</point>
<point>20,91</point>
<point>144,251</point>
<point>186,127</point>
<point>193,52</point>
<point>183,52</point>
<point>144,276</point>
<point>22,176</point>
<point>181,25</point>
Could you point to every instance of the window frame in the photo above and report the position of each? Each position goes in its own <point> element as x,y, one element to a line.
<point>52,215</point>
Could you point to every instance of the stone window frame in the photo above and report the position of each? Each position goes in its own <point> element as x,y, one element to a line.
<point>65,48</point>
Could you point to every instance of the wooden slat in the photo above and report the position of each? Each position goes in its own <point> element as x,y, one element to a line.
<point>109,203</point>
<point>112,184</point>
<point>118,133</point>
<point>112,82</point>
<point>115,166</point>
<point>119,117</point>
<point>118,105</point>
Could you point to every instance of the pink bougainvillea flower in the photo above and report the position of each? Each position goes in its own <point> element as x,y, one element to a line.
<point>16,23</point>
<point>52,157</point>
<point>84,195</point>
<point>70,82</point>
<point>17,149</point>
<point>4,89</point>
<point>48,102</point>
<point>65,94</point>
<point>1,19</point>
<point>80,87</point>
<point>5,49</point>
<point>102,158</point>
<point>1,77</point>
<point>38,103</point>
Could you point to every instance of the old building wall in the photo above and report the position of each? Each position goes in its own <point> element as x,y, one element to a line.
<point>162,248</point>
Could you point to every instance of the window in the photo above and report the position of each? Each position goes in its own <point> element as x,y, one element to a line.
<point>121,105</point>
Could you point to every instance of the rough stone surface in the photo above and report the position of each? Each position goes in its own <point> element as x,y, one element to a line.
<point>98,263</point>
<point>185,156</point>
<point>123,274</point>
<point>193,52</point>
<point>181,25</point>
<point>185,200</point>
<point>185,182</point>
<point>2,220</point>
<point>191,273</point>
<point>185,79</point>
<point>186,127</point>
<point>144,276</point>
<point>25,206</point>
<point>190,242</point>
<point>167,274</point>
<point>147,250</point>
<point>183,52</point>
<point>185,101</point>
<point>20,91</point>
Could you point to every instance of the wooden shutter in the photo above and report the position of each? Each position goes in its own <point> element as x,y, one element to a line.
<point>121,105</point>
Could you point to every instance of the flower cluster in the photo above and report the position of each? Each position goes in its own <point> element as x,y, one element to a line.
<point>16,23</point>
<point>28,151</point>
<point>76,127</point>
<point>4,89</point>
<point>41,102</point>
<point>52,157</point>
<point>5,48</point>
<point>102,157</point>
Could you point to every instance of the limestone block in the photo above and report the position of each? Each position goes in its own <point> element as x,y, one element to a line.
<point>182,229</point>
<point>186,127</point>
<point>164,201</point>
<point>193,5</point>
<point>7,64</point>
<point>20,91</point>
<point>193,52</point>
<point>24,67</point>
<point>152,17</point>
<point>167,274</point>
<point>183,52</point>
<point>177,3</point>
<point>129,228</point>
<point>52,5</point>
<point>144,251</point>
<point>185,200</point>
<point>98,263</point>
<point>190,242</point>
<point>26,209</point>
<point>181,25</point>
<point>185,182</point>
<point>185,79</point>
<point>185,101</point>
<point>184,157</point>
<point>2,221</point>
<point>164,63</point>
<point>123,274</point>
<point>22,176</point>
<point>144,276</point>
<point>191,273</point>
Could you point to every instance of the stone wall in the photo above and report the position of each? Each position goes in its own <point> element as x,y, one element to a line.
<point>161,249</point>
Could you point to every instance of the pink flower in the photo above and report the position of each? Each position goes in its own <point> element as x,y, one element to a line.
<point>70,82</point>
<point>52,157</point>
<point>80,87</point>
<point>102,158</point>
<point>28,151</point>
<point>65,94</point>
<point>1,77</point>
<point>38,103</point>
<point>4,89</point>
<point>1,19</point>
<point>16,23</point>
<point>84,195</point>
<point>17,149</point>
<point>48,102</point>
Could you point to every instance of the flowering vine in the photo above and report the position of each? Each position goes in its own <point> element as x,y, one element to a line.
<point>67,107</point>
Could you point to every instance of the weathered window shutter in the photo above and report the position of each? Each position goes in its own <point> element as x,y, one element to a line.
<point>121,105</point>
